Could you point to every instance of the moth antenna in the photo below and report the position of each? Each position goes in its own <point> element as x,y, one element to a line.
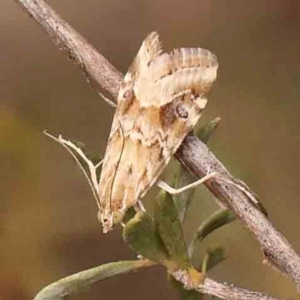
<point>118,163</point>
<point>92,180</point>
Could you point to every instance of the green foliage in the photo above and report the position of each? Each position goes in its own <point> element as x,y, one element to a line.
<point>170,229</point>
<point>184,177</point>
<point>158,239</point>
<point>81,281</point>
<point>129,214</point>
<point>213,222</point>
<point>206,132</point>
<point>183,200</point>
<point>141,235</point>
<point>212,258</point>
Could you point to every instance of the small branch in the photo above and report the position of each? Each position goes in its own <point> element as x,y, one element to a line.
<point>213,288</point>
<point>76,46</point>
<point>277,250</point>
<point>193,153</point>
<point>229,292</point>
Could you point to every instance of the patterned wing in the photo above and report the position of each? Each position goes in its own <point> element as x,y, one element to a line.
<point>160,101</point>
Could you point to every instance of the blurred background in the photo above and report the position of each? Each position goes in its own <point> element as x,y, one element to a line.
<point>48,222</point>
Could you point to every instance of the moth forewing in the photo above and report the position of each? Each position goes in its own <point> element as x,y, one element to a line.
<point>159,102</point>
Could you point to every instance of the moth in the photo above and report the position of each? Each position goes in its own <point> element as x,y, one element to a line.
<point>160,100</point>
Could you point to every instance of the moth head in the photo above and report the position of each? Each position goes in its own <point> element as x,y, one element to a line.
<point>109,219</point>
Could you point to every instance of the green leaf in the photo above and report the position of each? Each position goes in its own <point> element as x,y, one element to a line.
<point>170,229</point>
<point>215,221</point>
<point>184,177</point>
<point>206,132</point>
<point>83,280</point>
<point>183,200</point>
<point>141,235</point>
<point>129,214</point>
<point>213,257</point>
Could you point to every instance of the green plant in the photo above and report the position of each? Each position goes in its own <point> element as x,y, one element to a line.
<point>156,239</point>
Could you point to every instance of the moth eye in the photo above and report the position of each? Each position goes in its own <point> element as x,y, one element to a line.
<point>101,218</point>
<point>182,112</point>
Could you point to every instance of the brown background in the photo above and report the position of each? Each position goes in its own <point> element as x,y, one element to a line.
<point>48,226</point>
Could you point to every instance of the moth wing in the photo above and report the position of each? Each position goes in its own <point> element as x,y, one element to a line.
<point>113,164</point>
<point>160,101</point>
<point>172,95</point>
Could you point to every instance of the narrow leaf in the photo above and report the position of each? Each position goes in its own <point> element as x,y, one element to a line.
<point>183,200</point>
<point>170,229</point>
<point>129,214</point>
<point>215,221</point>
<point>83,280</point>
<point>141,235</point>
<point>206,132</point>
<point>215,256</point>
<point>184,177</point>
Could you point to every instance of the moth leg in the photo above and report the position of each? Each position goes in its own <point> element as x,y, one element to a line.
<point>161,184</point>
<point>107,100</point>
<point>240,185</point>
<point>140,206</point>
<point>98,165</point>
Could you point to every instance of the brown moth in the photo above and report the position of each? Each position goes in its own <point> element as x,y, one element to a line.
<point>160,101</point>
